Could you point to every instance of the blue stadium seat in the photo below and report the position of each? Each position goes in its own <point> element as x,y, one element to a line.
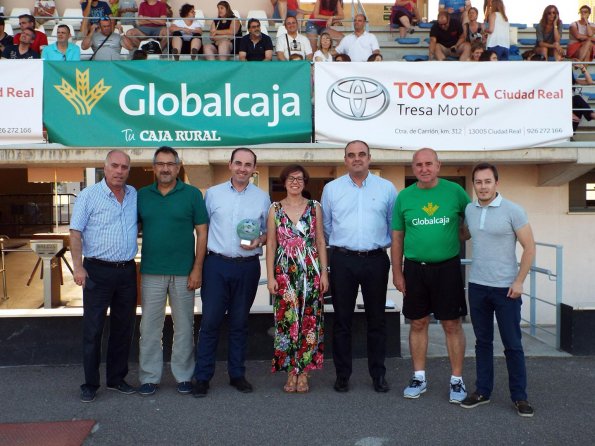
<point>407,40</point>
<point>519,25</point>
<point>425,25</point>
<point>530,42</point>
<point>515,57</point>
<point>564,41</point>
<point>514,50</point>
<point>415,57</point>
<point>427,40</point>
<point>566,26</point>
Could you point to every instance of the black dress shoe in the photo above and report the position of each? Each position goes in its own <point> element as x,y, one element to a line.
<point>341,384</point>
<point>241,384</point>
<point>380,384</point>
<point>200,389</point>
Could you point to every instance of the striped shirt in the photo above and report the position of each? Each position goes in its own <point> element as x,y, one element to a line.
<point>108,227</point>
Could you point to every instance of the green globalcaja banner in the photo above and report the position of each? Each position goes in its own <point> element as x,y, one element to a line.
<point>192,104</point>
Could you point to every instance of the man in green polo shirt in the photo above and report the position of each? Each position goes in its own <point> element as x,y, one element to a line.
<point>426,225</point>
<point>170,212</point>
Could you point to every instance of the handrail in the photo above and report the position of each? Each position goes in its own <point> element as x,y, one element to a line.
<point>555,276</point>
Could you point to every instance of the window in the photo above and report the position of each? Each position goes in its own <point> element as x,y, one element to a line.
<point>581,193</point>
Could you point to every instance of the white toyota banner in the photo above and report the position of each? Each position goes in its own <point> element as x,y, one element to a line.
<point>444,105</point>
<point>21,101</point>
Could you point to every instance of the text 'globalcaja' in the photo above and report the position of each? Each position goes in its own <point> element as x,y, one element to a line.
<point>468,90</point>
<point>139,100</point>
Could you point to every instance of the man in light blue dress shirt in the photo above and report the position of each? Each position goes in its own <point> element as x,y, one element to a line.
<point>103,229</point>
<point>357,210</point>
<point>231,271</point>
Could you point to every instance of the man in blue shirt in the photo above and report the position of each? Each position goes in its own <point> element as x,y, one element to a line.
<point>456,8</point>
<point>357,210</point>
<point>496,286</point>
<point>231,271</point>
<point>62,49</point>
<point>103,229</point>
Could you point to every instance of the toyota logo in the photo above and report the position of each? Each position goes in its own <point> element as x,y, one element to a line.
<point>357,98</point>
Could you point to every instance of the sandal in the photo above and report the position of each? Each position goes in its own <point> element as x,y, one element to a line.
<point>302,383</point>
<point>291,385</point>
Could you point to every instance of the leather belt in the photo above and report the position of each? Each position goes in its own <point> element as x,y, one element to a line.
<point>349,252</point>
<point>235,259</point>
<point>122,264</point>
<point>444,262</point>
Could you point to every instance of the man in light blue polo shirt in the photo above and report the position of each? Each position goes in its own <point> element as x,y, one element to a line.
<point>103,229</point>
<point>170,213</point>
<point>496,285</point>
<point>231,271</point>
<point>62,49</point>
<point>357,211</point>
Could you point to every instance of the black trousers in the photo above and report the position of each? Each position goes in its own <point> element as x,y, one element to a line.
<point>113,288</point>
<point>348,273</point>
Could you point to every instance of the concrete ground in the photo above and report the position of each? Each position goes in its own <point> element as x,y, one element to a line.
<point>560,388</point>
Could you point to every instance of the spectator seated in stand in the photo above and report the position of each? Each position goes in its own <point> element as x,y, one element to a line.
<point>95,9</point>
<point>376,57</point>
<point>139,55</point>
<point>150,23</point>
<point>580,45</point>
<point>27,21</point>
<point>488,56</point>
<point>292,42</point>
<point>477,49</point>
<point>62,49</point>
<point>342,58</point>
<point>326,14</point>
<point>580,107</point>
<point>225,33</point>
<point>187,32</point>
<point>473,30</point>
<point>44,10</point>
<point>22,50</point>
<point>361,44</point>
<point>325,49</point>
<point>405,15</point>
<point>447,39</point>
<point>255,46</point>
<point>106,44</point>
<point>549,33</point>
<point>5,38</point>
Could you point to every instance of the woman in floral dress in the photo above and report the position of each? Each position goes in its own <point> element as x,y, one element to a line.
<point>298,278</point>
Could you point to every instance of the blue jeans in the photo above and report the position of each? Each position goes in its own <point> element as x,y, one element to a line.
<point>484,302</point>
<point>227,286</point>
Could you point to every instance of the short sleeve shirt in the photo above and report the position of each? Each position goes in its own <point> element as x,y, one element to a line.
<point>12,52</point>
<point>256,51</point>
<point>430,220</point>
<point>101,10</point>
<point>447,37</point>
<point>299,45</point>
<point>157,10</point>
<point>168,223</point>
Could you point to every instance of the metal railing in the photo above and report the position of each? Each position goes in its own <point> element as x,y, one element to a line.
<point>26,213</point>
<point>534,299</point>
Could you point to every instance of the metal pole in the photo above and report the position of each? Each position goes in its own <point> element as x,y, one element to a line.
<point>4,286</point>
<point>532,297</point>
<point>559,276</point>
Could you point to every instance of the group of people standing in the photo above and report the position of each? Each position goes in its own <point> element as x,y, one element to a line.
<point>189,243</point>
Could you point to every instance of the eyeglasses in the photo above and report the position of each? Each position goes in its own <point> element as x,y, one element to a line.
<point>162,164</point>
<point>585,12</point>
<point>298,180</point>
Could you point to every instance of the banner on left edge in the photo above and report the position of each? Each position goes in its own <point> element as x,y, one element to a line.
<point>152,103</point>
<point>21,94</point>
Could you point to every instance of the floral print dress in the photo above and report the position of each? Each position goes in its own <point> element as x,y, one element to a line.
<point>298,304</point>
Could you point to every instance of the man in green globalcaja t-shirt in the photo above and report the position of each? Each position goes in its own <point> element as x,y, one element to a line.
<point>426,224</point>
<point>170,212</point>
